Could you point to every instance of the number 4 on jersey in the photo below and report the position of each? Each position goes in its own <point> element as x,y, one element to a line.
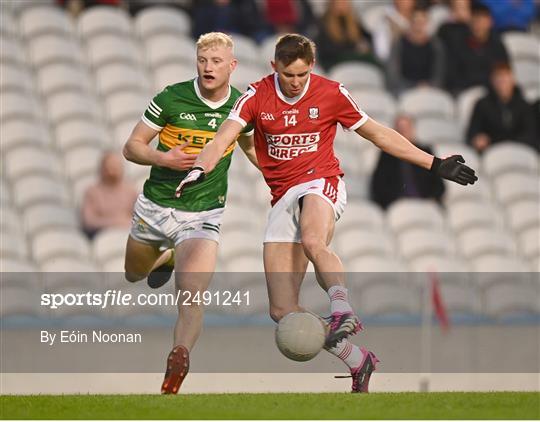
<point>212,123</point>
<point>290,120</point>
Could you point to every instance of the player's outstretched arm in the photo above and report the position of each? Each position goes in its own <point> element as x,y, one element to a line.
<point>391,142</point>
<point>211,154</point>
<point>138,150</point>
<point>248,146</point>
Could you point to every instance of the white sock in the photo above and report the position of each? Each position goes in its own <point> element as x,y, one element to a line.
<point>349,353</point>
<point>339,301</point>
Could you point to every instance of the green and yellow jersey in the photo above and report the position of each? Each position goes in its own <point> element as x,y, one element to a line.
<point>182,115</point>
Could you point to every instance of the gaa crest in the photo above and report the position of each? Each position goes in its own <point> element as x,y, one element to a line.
<point>314,112</point>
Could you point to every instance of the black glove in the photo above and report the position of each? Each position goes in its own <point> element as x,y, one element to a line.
<point>451,168</point>
<point>195,175</point>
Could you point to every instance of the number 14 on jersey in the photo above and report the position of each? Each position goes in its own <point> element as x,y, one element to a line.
<point>290,119</point>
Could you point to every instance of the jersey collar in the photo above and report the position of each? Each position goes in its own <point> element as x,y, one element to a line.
<point>288,100</point>
<point>212,104</point>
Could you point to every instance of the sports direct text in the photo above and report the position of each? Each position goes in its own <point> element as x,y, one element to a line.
<point>289,146</point>
<point>119,298</point>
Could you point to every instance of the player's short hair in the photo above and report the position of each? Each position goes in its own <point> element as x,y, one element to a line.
<point>291,47</point>
<point>214,39</point>
<point>501,67</point>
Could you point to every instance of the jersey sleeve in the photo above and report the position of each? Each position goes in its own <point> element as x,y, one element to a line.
<point>154,115</point>
<point>243,110</point>
<point>348,113</point>
<point>248,130</point>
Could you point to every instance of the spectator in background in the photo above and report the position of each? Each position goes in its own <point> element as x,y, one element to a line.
<point>75,7</point>
<point>394,23</point>
<point>511,15</point>
<point>394,179</point>
<point>290,16</point>
<point>536,117</point>
<point>228,16</point>
<point>416,58</point>
<point>452,32</point>
<point>108,203</point>
<point>502,114</point>
<point>477,50</point>
<point>341,37</point>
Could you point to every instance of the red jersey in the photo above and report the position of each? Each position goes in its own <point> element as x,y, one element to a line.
<point>294,137</point>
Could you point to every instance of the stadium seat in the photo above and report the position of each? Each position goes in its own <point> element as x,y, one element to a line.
<point>65,106</point>
<point>239,189</point>
<point>439,264</point>
<point>80,132</point>
<point>37,189</point>
<point>433,130</point>
<point>513,187</point>
<point>415,243</point>
<point>463,216</point>
<point>465,102</point>
<point>27,160</point>
<point>166,48</point>
<point>379,105</point>
<point>494,268</point>
<point>109,243</point>
<point>79,187</point>
<point>113,265</point>
<point>248,263</point>
<point>529,243</point>
<point>244,75</point>
<point>470,155</point>
<point>238,216</point>
<point>511,298</point>
<point>406,214</point>
<point>5,194</point>
<point>16,8</point>
<point>13,245</point>
<point>126,106</point>
<point>99,20</point>
<point>15,78</point>
<point>135,171</point>
<point>56,243</point>
<point>120,77</point>
<point>68,265</point>
<point>239,242</point>
<point>39,21</point>
<point>108,49</point>
<point>57,77</point>
<point>371,17</point>
<point>365,215</point>
<point>7,24</point>
<point>246,50</point>
<point>523,215</point>
<point>157,20</point>
<point>18,106</point>
<point>509,157</point>
<point>356,242</point>
<point>357,75</point>
<point>40,217</point>
<point>427,102</point>
<point>526,73</point>
<point>15,134</point>
<point>123,129</point>
<point>397,295</point>
<point>82,160</point>
<point>522,45</point>
<point>9,223</point>
<point>454,192</point>
<point>479,242</point>
<point>11,51</point>
<point>11,265</point>
<point>266,52</point>
<point>375,264</point>
<point>49,49</point>
<point>172,73</point>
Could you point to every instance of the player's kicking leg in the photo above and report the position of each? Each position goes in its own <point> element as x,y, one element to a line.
<point>317,220</point>
<point>195,263</point>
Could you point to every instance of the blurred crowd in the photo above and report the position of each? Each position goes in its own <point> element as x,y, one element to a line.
<point>454,50</point>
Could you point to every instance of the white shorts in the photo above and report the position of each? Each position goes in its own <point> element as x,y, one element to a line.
<point>284,218</point>
<point>168,227</point>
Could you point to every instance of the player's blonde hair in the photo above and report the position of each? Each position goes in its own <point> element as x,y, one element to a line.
<point>214,39</point>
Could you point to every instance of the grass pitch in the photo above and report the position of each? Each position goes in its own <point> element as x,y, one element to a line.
<point>276,406</point>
